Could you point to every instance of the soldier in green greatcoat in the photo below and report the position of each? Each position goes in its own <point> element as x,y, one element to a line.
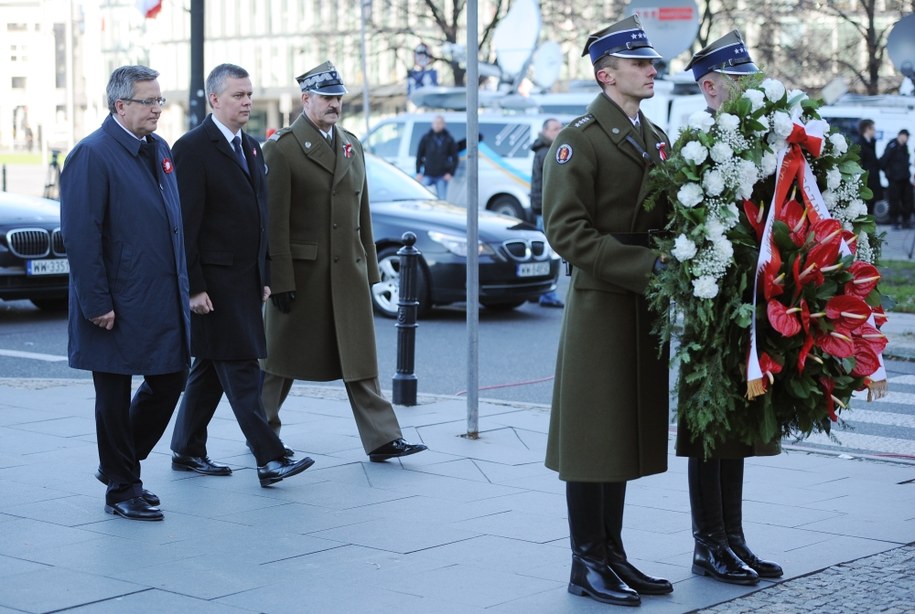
<point>610,413</point>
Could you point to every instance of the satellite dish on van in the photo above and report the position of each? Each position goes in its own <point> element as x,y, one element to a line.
<point>671,25</point>
<point>516,36</point>
<point>901,46</point>
<point>547,64</point>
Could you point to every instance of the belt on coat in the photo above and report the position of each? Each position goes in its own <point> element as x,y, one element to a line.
<point>641,239</point>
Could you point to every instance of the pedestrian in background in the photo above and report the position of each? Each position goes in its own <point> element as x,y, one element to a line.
<point>608,423</point>
<point>437,158</point>
<point>895,165</point>
<point>868,143</point>
<point>223,186</point>
<point>319,321</point>
<point>121,222</point>
<point>541,147</point>
<point>716,483</point>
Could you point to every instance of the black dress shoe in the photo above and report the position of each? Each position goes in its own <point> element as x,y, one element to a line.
<point>147,496</point>
<point>276,470</point>
<point>135,509</point>
<point>642,583</point>
<point>200,464</point>
<point>395,449</point>
<point>765,569</point>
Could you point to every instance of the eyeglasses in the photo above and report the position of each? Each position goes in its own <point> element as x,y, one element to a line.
<point>147,102</point>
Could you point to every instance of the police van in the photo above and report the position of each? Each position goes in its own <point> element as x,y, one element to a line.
<point>505,156</point>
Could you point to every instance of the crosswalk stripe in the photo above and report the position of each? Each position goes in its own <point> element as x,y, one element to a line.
<point>868,416</point>
<point>857,441</point>
<point>908,380</point>
<point>33,356</point>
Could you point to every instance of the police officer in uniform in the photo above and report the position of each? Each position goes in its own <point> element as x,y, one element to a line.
<point>609,418</point>
<point>716,483</point>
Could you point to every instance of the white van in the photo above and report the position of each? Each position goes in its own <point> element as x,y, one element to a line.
<point>505,154</point>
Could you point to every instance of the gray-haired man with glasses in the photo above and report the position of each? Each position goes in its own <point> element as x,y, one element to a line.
<point>129,303</point>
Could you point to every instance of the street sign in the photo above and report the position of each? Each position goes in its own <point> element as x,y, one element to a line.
<point>671,25</point>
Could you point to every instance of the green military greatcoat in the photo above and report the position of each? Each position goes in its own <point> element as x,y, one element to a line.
<point>321,247</point>
<point>610,413</point>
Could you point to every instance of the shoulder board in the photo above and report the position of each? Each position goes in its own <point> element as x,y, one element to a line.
<point>276,135</point>
<point>582,121</point>
<point>349,134</point>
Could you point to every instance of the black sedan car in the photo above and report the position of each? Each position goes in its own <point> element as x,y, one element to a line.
<point>516,263</point>
<point>33,262</point>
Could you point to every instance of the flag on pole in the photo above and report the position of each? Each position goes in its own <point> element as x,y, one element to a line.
<point>149,8</point>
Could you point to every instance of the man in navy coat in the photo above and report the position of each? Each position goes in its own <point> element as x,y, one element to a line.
<point>121,223</point>
<point>223,186</point>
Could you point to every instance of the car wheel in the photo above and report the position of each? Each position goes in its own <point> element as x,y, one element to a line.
<point>882,212</point>
<point>51,304</point>
<point>386,293</point>
<point>503,306</point>
<point>507,205</point>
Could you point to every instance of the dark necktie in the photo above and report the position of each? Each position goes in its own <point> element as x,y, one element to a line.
<point>236,144</point>
<point>148,151</point>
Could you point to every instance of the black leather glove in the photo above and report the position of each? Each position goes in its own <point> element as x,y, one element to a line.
<point>283,301</point>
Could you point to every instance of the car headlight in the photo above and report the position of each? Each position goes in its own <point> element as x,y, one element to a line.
<point>458,245</point>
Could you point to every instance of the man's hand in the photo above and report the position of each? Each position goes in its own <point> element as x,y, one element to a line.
<point>419,176</point>
<point>201,304</point>
<point>266,293</point>
<point>104,321</point>
<point>447,176</point>
<point>283,301</point>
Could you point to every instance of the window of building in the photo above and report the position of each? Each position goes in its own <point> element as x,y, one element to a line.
<point>18,83</point>
<point>17,27</point>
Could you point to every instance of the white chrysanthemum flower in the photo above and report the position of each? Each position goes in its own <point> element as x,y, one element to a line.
<point>722,152</point>
<point>756,98</point>
<point>705,287</point>
<point>833,178</point>
<point>765,124</point>
<point>724,250</point>
<point>829,197</point>
<point>714,229</point>
<point>713,182</point>
<point>690,194</point>
<point>782,124</point>
<point>701,121</point>
<point>684,248</point>
<point>694,152</point>
<point>796,97</point>
<point>774,89</point>
<point>838,143</point>
<point>728,122</point>
<point>857,208</point>
<point>767,164</point>
<point>748,174</point>
<point>730,215</point>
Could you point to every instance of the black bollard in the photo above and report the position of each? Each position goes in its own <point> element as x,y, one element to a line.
<point>4,178</point>
<point>407,311</point>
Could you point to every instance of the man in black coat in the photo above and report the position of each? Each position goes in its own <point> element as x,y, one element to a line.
<point>436,157</point>
<point>868,143</point>
<point>895,165</point>
<point>223,188</point>
<point>541,148</point>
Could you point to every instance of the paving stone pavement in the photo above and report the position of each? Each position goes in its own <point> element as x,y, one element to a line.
<point>883,582</point>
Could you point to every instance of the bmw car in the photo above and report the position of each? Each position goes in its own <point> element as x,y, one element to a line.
<point>33,262</point>
<point>516,262</point>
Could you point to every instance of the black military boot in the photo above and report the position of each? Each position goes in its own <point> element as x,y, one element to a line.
<point>590,574</point>
<point>614,501</point>
<point>732,507</point>
<point>712,555</point>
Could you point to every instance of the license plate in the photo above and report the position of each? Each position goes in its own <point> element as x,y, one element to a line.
<point>533,269</point>
<point>54,266</point>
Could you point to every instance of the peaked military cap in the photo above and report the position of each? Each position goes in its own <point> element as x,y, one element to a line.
<point>323,80</point>
<point>726,55</point>
<point>624,39</point>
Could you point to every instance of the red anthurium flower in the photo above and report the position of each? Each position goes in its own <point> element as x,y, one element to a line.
<point>805,316</point>
<point>805,351</point>
<point>866,361</point>
<point>824,254</point>
<point>773,281</point>
<point>866,278</point>
<point>826,230</point>
<point>828,386</point>
<point>810,274</point>
<point>879,316</point>
<point>847,311</point>
<point>872,337</point>
<point>794,215</point>
<point>851,240</point>
<point>782,319</point>
<point>838,342</point>
<point>769,367</point>
<point>754,217</point>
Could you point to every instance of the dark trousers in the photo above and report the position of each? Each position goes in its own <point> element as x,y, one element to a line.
<point>240,380</point>
<point>899,195</point>
<point>127,430</point>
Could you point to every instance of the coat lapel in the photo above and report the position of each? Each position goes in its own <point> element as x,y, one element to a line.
<point>344,150</point>
<point>310,140</point>
<point>614,122</point>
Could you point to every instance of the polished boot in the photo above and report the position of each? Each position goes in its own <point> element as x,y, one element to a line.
<point>282,468</point>
<point>732,507</point>
<point>712,555</point>
<point>590,574</point>
<point>613,503</point>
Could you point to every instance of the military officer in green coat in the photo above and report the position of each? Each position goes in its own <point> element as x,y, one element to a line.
<point>610,413</point>
<point>319,323</point>
<point>716,483</point>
